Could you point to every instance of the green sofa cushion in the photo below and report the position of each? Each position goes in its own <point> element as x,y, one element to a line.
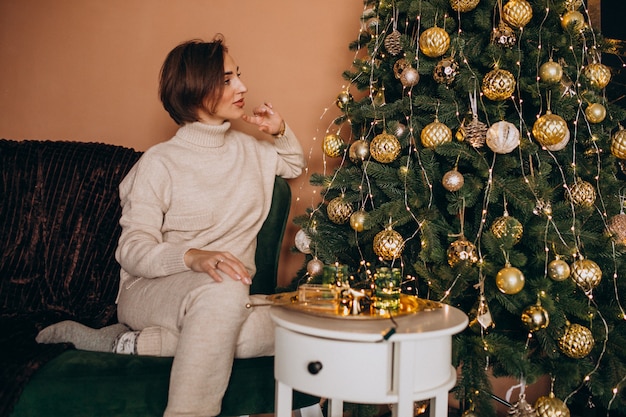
<point>93,384</point>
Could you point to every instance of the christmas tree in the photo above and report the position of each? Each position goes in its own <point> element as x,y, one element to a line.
<point>477,150</point>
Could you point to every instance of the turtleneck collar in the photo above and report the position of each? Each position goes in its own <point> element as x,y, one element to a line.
<point>204,135</point>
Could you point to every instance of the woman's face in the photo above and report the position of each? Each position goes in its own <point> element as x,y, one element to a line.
<point>231,104</point>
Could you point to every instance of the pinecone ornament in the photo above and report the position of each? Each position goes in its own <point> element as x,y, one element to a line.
<point>617,228</point>
<point>473,132</point>
<point>392,43</point>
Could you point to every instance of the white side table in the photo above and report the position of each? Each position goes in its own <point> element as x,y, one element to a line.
<point>350,360</point>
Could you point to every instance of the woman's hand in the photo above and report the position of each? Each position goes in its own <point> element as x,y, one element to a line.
<point>211,262</point>
<point>266,119</point>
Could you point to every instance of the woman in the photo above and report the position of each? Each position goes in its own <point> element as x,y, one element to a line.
<point>191,209</point>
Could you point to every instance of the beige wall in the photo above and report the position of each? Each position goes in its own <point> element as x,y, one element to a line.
<point>87,69</point>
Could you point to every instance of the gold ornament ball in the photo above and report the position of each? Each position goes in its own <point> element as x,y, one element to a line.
<point>577,341</point>
<point>586,274</point>
<point>453,180</point>
<point>357,220</point>
<point>618,143</point>
<point>464,6</point>
<point>388,244</point>
<point>343,99</point>
<point>517,13</point>
<point>315,267</point>
<point>502,137</point>
<point>399,66</point>
<point>573,4</point>
<point>599,75</point>
<point>595,113</point>
<point>551,72</point>
<point>507,227</point>
<point>558,270</point>
<point>333,145</point>
<point>510,280</point>
<point>359,151</point>
<point>550,129</point>
<point>582,194</point>
<point>574,19</point>
<point>558,146</point>
<point>550,406</point>
<point>409,77</point>
<point>617,228</point>
<point>434,42</point>
<point>504,36</point>
<point>434,134</point>
<point>372,25</point>
<point>498,85</point>
<point>535,317</point>
<point>385,148</point>
<point>461,250</point>
<point>445,71</point>
<point>338,210</point>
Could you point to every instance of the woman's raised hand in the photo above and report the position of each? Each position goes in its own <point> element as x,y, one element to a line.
<point>266,119</point>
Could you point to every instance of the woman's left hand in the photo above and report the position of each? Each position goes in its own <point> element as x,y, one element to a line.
<point>266,119</point>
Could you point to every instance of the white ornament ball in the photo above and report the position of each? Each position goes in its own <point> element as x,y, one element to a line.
<point>503,137</point>
<point>315,267</point>
<point>453,180</point>
<point>303,241</point>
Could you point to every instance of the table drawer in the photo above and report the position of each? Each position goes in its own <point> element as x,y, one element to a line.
<point>351,371</point>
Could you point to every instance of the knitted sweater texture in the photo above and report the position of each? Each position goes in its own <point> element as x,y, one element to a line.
<point>209,187</point>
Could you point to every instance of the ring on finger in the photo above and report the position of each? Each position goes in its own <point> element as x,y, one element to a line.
<point>218,263</point>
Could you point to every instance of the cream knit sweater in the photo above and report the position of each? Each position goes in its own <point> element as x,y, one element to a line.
<point>208,187</point>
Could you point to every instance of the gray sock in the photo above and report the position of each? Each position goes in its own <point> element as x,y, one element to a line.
<point>81,336</point>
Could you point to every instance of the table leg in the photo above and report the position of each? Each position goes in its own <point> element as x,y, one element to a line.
<point>283,400</point>
<point>335,408</point>
<point>439,406</point>
<point>403,383</point>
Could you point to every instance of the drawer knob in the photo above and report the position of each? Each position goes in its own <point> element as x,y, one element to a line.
<point>314,367</point>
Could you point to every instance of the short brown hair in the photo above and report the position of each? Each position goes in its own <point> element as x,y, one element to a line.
<point>192,77</point>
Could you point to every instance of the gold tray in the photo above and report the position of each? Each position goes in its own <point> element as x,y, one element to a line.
<point>409,304</point>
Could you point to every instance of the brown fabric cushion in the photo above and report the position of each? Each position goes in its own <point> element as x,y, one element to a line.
<point>59,216</point>
<point>59,213</point>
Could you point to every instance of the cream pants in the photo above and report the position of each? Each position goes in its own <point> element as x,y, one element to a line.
<point>202,323</point>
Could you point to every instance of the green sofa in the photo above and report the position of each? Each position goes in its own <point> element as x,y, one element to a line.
<point>59,212</point>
